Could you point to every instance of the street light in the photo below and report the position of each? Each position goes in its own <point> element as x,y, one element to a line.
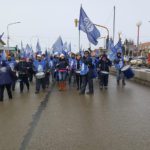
<point>138,34</point>
<point>8,32</point>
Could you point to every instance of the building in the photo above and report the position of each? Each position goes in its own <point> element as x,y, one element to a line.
<point>144,48</point>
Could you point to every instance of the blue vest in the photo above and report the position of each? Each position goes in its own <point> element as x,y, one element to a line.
<point>72,63</point>
<point>40,66</point>
<point>120,64</point>
<point>84,69</point>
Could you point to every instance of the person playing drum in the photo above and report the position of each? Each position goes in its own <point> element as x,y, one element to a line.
<point>103,66</point>
<point>40,70</point>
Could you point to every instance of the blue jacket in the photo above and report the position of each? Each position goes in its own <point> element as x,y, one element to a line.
<point>5,75</point>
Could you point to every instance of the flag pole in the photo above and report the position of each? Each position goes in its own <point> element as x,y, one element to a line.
<point>79,40</point>
<point>114,23</point>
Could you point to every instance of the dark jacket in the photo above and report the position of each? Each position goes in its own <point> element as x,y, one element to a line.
<point>62,64</point>
<point>22,68</point>
<point>88,61</point>
<point>104,65</point>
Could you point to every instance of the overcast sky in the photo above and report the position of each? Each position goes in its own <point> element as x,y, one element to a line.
<point>47,19</point>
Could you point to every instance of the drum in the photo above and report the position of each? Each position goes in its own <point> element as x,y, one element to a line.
<point>40,75</point>
<point>78,71</point>
<point>105,72</point>
<point>128,73</point>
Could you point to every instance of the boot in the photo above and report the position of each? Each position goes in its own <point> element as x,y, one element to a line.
<point>64,85</point>
<point>60,86</point>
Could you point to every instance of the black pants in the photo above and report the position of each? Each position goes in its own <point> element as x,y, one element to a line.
<point>87,79</point>
<point>40,82</point>
<point>31,73</point>
<point>72,75</point>
<point>104,80</point>
<point>78,80</point>
<point>24,80</point>
<point>2,88</point>
<point>47,79</point>
<point>13,84</point>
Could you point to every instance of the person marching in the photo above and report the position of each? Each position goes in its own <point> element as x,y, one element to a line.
<point>86,72</point>
<point>40,70</point>
<point>119,64</point>
<point>62,67</point>
<point>30,69</point>
<point>104,64</point>
<point>54,70</point>
<point>78,69</point>
<point>12,64</point>
<point>5,80</point>
<point>72,67</point>
<point>22,68</point>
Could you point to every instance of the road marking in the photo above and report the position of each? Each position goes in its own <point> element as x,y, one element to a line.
<point>36,117</point>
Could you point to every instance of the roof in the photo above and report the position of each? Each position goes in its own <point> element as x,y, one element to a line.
<point>144,46</point>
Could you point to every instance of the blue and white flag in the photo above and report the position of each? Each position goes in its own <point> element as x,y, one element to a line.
<point>58,45</point>
<point>88,27</point>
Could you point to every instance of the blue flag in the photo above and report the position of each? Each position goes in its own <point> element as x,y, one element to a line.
<point>88,27</point>
<point>58,45</point>
<point>38,48</point>
<point>112,50</point>
<point>69,47</point>
<point>118,47</point>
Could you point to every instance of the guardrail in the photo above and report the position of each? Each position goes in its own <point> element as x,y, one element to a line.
<point>141,75</point>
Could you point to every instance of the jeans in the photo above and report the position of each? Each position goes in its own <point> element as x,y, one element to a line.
<point>87,79</point>
<point>62,76</point>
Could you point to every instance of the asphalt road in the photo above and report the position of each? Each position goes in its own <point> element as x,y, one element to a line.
<point>114,119</point>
